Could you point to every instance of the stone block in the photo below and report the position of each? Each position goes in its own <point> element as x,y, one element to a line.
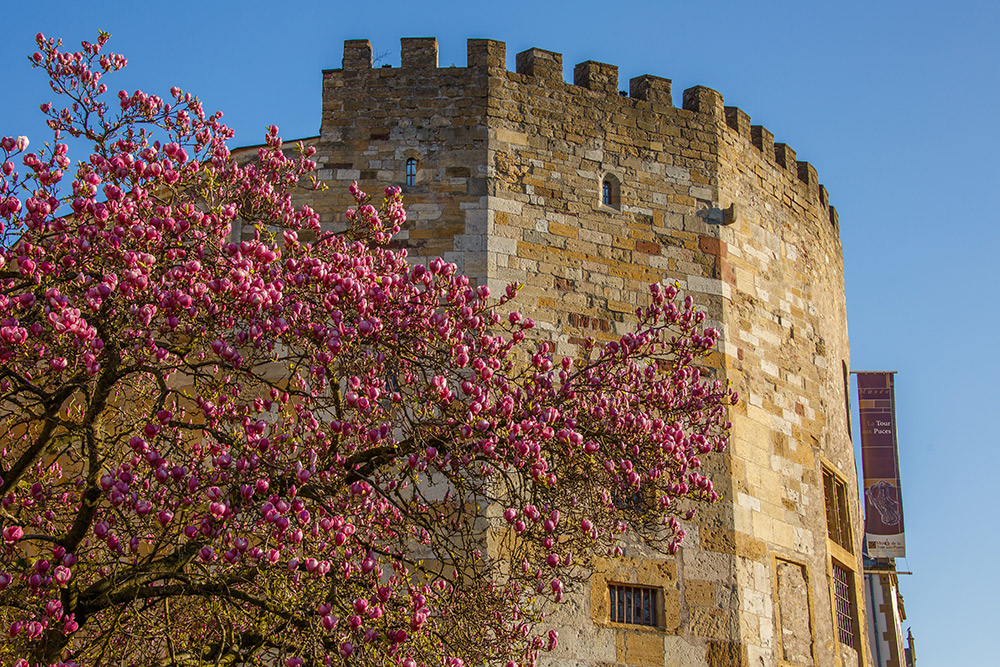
<point>651,88</point>
<point>671,610</point>
<point>546,65</point>
<point>644,648</point>
<point>600,77</point>
<point>732,542</point>
<point>486,53</point>
<point>419,52</point>
<point>704,100</point>
<point>699,593</point>
<point>709,623</point>
<point>762,139</point>
<point>726,654</point>
<point>738,120</point>
<point>807,174</point>
<point>792,600</point>
<point>785,156</point>
<point>562,230</point>
<point>357,54</point>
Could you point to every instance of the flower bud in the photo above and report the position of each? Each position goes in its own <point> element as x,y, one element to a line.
<point>12,534</point>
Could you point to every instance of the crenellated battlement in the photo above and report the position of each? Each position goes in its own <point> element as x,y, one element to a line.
<point>545,68</point>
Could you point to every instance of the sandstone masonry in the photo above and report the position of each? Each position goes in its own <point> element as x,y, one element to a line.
<point>509,176</point>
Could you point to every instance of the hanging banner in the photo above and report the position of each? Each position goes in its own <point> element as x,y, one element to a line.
<point>883,500</point>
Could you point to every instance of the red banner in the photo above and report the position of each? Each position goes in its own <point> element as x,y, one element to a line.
<point>883,499</point>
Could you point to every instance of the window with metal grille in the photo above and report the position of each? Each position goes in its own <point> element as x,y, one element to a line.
<point>630,501</point>
<point>843,596</point>
<point>838,518</point>
<point>637,605</point>
<point>411,171</point>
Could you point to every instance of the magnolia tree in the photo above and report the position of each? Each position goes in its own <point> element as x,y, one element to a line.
<point>295,448</point>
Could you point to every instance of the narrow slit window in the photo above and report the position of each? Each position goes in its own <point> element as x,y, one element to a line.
<point>411,171</point>
<point>635,605</point>
<point>610,191</point>
<point>847,397</point>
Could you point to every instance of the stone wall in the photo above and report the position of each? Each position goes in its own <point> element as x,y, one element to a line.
<point>510,167</point>
<point>374,119</point>
<point>787,348</point>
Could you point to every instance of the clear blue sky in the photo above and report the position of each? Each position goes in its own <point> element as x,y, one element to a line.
<point>895,103</point>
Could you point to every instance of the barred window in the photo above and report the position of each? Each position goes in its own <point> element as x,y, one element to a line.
<point>632,501</point>
<point>636,605</point>
<point>411,171</point>
<point>843,597</point>
<point>838,518</point>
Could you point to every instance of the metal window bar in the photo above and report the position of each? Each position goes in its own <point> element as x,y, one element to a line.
<point>606,193</point>
<point>635,501</point>
<point>838,520</point>
<point>842,601</point>
<point>635,605</point>
<point>842,517</point>
<point>829,494</point>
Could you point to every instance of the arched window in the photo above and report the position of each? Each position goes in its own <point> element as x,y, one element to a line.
<point>411,171</point>
<point>610,191</point>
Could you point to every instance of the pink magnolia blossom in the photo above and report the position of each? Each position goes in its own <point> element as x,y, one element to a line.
<point>289,442</point>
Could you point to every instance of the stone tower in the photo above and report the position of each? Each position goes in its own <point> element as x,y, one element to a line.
<point>586,194</point>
